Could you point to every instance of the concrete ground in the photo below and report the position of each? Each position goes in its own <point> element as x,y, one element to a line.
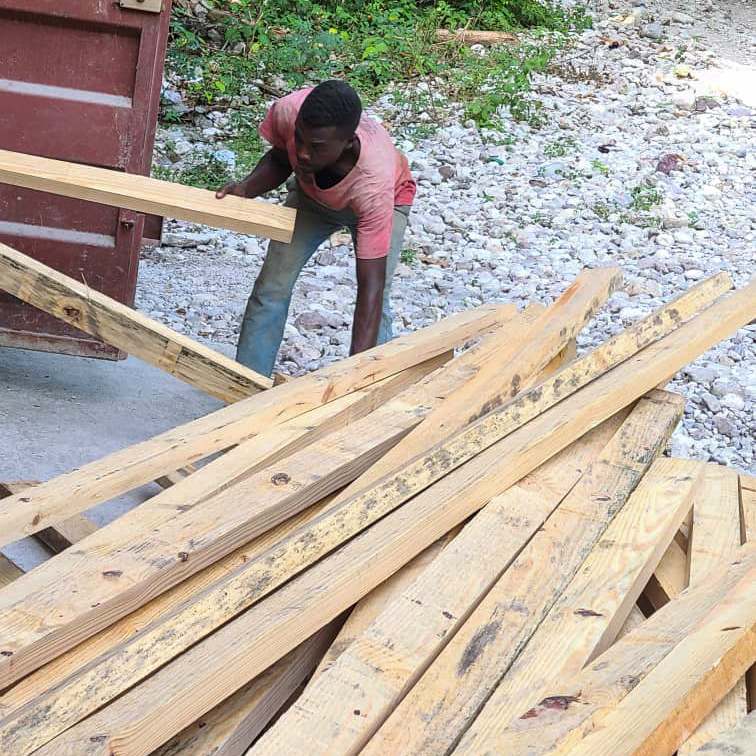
<point>59,412</point>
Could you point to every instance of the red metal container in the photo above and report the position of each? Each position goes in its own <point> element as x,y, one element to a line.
<point>79,81</point>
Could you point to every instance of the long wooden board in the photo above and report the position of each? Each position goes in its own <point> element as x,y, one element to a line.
<point>147,195</point>
<point>446,699</point>
<point>607,395</point>
<point>670,578</point>
<point>580,707</point>
<point>748,517</point>
<point>739,741</point>
<point>656,715</point>
<point>117,473</point>
<point>125,328</point>
<point>231,727</point>
<point>715,534</point>
<point>585,618</point>
<point>387,658</point>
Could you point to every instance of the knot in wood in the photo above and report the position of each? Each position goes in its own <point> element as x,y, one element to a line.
<point>280,479</point>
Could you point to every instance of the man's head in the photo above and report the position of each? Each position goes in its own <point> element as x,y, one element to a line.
<point>326,124</point>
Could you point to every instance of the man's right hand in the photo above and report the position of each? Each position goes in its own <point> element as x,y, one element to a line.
<point>234,187</point>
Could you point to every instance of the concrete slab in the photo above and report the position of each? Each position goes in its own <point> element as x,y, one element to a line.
<point>59,412</point>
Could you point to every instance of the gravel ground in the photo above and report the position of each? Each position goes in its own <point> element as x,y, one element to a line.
<point>647,161</point>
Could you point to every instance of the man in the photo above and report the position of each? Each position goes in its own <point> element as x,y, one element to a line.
<point>347,173</point>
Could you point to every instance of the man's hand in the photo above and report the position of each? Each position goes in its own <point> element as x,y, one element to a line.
<point>234,187</point>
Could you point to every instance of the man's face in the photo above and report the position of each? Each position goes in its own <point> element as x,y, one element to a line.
<point>318,148</point>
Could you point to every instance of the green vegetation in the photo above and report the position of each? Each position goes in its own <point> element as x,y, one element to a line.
<point>220,50</point>
<point>408,256</point>
<point>560,148</point>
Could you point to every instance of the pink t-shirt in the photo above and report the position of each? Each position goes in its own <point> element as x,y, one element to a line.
<point>379,180</point>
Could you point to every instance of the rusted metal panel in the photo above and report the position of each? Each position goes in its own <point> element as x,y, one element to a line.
<point>79,81</point>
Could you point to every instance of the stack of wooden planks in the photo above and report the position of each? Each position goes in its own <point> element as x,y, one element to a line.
<point>407,552</point>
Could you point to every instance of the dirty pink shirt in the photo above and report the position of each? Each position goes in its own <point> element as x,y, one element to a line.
<point>379,180</point>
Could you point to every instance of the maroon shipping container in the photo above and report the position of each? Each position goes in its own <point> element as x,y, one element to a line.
<point>79,81</point>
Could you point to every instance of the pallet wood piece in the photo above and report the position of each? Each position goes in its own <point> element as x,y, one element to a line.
<point>476,37</point>
<point>117,473</point>
<point>606,396</point>
<point>57,537</point>
<point>715,534</point>
<point>670,578</point>
<point>231,727</point>
<point>446,699</point>
<point>580,707</point>
<point>8,570</point>
<point>584,620</point>
<point>656,715</point>
<point>634,620</point>
<point>121,326</point>
<point>371,675</point>
<point>147,195</point>
<point>739,741</point>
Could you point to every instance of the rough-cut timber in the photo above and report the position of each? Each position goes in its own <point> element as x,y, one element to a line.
<point>739,741</point>
<point>147,195</point>
<point>670,578</point>
<point>231,727</point>
<point>476,37</point>
<point>442,704</point>
<point>581,707</point>
<point>387,658</point>
<point>121,326</point>
<point>585,618</point>
<point>715,534</point>
<point>103,479</point>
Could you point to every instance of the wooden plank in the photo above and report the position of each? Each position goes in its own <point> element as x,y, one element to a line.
<point>446,699</point>
<point>176,476</point>
<point>60,536</point>
<point>147,195</point>
<point>748,533</point>
<point>657,714</point>
<point>389,656</point>
<point>103,479</point>
<point>670,578</point>
<point>174,517</point>
<point>121,326</point>
<point>739,741</point>
<point>715,534</point>
<point>231,727</point>
<point>8,571</point>
<point>581,707</point>
<point>585,618</point>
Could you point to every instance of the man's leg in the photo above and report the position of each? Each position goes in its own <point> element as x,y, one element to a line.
<point>401,215</point>
<point>267,309</point>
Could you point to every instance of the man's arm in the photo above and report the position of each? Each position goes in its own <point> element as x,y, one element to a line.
<point>272,170</point>
<point>371,280</point>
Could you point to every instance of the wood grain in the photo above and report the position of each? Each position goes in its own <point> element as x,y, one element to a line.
<point>147,195</point>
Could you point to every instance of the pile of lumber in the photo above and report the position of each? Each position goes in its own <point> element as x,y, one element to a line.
<point>412,551</point>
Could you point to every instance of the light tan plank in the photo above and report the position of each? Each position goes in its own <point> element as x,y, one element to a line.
<point>146,195</point>
<point>670,577</point>
<point>739,741</point>
<point>121,326</point>
<point>176,476</point>
<point>656,715</point>
<point>634,620</point>
<point>103,479</point>
<point>670,644</point>
<point>584,620</point>
<point>748,523</point>
<point>389,656</point>
<point>231,727</point>
<point>715,534</point>
<point>444,702</point>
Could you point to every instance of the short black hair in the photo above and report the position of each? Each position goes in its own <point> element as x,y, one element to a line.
<point>332,103</point>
